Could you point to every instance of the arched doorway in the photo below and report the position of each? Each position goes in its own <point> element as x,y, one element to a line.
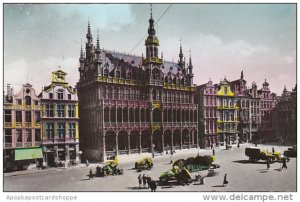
<point>176,139</point>
<point>146,141</point>
<point>157,141</point>
<point>110,143</point>
<point>195,139</point>
<point>134,142</point>
<point>123,142</point>
<point>185,138</point>
<point>168,139</point>
<point>156,115</point>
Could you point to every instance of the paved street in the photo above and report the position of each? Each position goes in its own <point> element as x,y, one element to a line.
<point>242,175</point>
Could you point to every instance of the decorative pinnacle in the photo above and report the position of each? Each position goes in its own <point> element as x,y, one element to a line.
<point>190,62</point>
<point>151,10</point>
<point>98,43</point>
<point>89,27</point>
<point>81,51</point>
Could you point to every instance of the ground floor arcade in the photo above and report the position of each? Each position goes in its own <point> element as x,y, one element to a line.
<point>123,142</point>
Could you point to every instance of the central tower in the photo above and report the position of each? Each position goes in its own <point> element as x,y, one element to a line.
<point>152,63</point>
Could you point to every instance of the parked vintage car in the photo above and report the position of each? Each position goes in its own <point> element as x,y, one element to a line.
<point>291,152</point>
<point>256,154</point>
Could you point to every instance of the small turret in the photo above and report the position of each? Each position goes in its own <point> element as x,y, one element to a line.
<point>190,68</point>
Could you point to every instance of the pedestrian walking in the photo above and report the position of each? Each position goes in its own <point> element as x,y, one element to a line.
<point>38,164</point>
<point>202,180</point>
<point>211,146</point>
<point>171,159</point>
<point>140,179</point>
<point>268,163</point>
<point>225,181</point>
<point>284,163</point>
<point>144,180</point>
<point>238,145</point>
<point>273,150</point>
<point>153,186</point>
<point>91,174</point>
<point>214,151</point>
<point>148,181</point>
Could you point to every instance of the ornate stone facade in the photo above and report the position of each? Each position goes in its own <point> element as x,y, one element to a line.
<point>267,103</point>
<point>227,114</point>
<point>206,97</point>
<point>131,104</point>
<point>285,117</point>
<point>60,121</point>
<point>22,125</point>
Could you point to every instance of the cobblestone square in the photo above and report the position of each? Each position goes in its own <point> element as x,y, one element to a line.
<point>242,175</point>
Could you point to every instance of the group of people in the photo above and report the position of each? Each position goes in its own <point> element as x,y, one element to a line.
<point>283,161</point>
<point>147,182</point>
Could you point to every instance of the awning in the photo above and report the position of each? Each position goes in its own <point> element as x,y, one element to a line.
<point>32,153</point>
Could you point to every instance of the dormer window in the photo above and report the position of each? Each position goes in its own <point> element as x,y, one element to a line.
<point>60,94</point>
<point>28,100</point>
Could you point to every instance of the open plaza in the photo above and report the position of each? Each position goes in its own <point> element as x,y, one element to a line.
<point>242,174</point>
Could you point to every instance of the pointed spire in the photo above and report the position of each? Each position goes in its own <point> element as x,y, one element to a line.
<point>242,74</point>
<point>180,52</point>
<point>98,42</point>
<point>81,51</point>
<point>151,30</point>
<point>190,62</point>
<point>89,28</point>
<point>150,10</point>
<point>89,35</point>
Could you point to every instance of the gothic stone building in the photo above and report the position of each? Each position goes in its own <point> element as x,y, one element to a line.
<point>130,104</point>
<point>285,117</point>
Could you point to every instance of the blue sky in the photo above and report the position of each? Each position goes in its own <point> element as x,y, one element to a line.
<point>224,39</point>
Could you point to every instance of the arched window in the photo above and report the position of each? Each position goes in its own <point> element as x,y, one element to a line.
<point>154,95</point>
<point>116,92</point>
<point>104,92</point>
<point>105,72</point>
<point>182,82</point>
<point>126,93</point>
<point>155,74</point>
<point>110,95</point>
<point>60,94</point>
<point>166,79</point>
<point>118,75</point>
<point>28,100</point>
<point>122,94</point>
<point>170,80</point>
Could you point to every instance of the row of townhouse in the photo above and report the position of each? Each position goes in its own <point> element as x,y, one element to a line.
<point>230,112</point>
<point>41,127</point>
